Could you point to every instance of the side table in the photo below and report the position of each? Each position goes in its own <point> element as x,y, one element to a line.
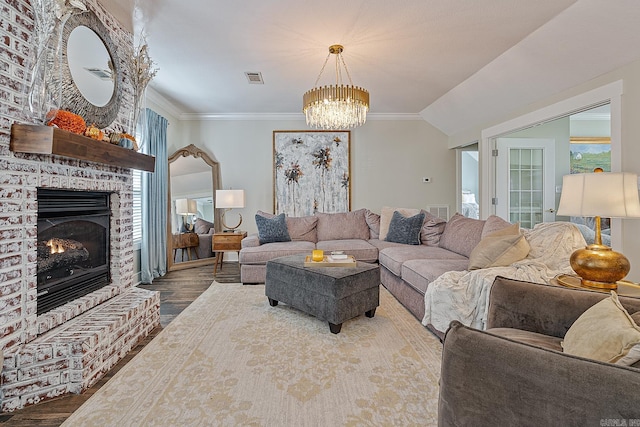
<point>625,288</point>
<point>186,242</point>
<point>226,242</point>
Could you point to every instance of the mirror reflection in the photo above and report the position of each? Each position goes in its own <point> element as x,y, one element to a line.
<point>193,179</point>
<point>91,66</point>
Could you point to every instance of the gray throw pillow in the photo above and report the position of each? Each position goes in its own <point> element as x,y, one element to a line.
<point>272,230</point>
<point>405,230</point>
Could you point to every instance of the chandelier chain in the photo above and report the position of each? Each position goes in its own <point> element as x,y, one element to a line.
<point>344,64</point>
<point>322,70</point>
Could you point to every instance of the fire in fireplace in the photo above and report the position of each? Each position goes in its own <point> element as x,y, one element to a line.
<point>73,245</point>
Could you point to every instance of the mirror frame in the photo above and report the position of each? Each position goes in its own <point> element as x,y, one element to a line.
<point>216,180</point>
<point>72,98</point>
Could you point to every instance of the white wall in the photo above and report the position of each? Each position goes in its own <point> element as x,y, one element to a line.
<point>388,161</point>
<point>630,140</point>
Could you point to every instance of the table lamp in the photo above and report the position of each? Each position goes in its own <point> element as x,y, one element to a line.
<point>227,200</point>
<point>186,208</point>
<point>600,194</point>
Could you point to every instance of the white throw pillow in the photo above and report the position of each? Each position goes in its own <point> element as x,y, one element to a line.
<point>604,332</point>
<point>499,249</point>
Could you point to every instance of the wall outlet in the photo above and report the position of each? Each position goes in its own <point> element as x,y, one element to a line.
<point>426,179</point>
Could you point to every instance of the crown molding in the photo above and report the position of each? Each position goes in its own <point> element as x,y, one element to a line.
<point>159,99</point>
<point>288,116</point>
<point>154,96</point>
<point>241,116</point>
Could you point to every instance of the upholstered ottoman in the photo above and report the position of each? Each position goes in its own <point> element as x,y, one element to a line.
<point>334,294</point>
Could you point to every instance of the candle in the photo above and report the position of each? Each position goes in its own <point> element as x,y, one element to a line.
<point>317,255</point>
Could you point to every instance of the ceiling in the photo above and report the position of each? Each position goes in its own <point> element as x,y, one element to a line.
<point>455,63</point>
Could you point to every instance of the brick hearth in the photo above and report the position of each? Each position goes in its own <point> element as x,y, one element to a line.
<point>67,349</point>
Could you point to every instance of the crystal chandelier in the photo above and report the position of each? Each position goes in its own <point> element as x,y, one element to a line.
<point>336,106</point>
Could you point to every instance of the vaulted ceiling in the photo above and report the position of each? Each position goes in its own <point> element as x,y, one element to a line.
<point>456,63</point>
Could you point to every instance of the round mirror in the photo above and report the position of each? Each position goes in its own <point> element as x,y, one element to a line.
<point>90,73</point>
<point>91,66</point>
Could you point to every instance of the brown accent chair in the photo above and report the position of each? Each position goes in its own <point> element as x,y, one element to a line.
<point>515,372</point>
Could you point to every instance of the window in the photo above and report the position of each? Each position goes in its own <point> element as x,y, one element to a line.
<point>137,207</point>
<point>137,199</point>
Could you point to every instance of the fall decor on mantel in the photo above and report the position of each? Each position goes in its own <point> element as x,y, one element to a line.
<point>94,133</point>
<point>68,121</point>
<point>52,140</point>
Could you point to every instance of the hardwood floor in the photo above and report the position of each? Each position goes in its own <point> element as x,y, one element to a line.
<point>177,290</point>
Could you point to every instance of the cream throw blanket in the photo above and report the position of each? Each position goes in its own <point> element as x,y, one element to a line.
<point>464,295</point>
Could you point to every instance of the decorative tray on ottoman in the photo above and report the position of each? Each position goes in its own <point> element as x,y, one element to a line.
<point>327,261</point>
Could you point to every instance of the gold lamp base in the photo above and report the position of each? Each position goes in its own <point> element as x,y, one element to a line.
<point>226,227</point>
<point>599,266</point>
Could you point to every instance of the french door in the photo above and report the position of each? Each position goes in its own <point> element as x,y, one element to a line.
<point>525,180</point>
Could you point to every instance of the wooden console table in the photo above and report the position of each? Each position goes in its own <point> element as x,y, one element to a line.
<point>186,242</point>
<point>226,242</point>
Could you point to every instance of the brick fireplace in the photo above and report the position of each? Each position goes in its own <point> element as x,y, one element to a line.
<point>69,348</point>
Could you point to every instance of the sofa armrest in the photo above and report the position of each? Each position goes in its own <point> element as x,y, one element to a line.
<point>541,308</point>
<point>251,241</point>
<point>489,380</point>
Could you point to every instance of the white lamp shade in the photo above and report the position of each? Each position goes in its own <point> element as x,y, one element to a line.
<point>603,194</point>
<point>186,207</point>
<point>228,199</point>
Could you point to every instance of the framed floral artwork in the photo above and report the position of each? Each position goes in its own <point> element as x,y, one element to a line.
<point>311,172</point>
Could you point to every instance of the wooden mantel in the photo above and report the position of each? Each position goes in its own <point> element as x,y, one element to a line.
<point>36,139</point>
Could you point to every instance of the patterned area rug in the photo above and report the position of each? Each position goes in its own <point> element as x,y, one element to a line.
<point>231,359</point>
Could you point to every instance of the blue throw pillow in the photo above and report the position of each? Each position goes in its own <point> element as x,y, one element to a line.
<point>405,230</point>
<point>272,229</point>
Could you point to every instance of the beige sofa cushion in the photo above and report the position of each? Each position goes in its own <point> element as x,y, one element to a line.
<point>499,249</point>
<point>419,273</point>
<point>432,229</point>
<point>461,234</point>
<point>362,250</point>
<point>373,221</point>
<point>345,225</point>
<point>493,224</point>
<point>393,257</point>
<point>300,228</point>
<point>268,251</point>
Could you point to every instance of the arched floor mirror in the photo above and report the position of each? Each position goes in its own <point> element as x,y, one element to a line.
<point>194,176</point>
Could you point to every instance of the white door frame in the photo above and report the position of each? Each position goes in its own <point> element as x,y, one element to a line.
<point>611,93</point>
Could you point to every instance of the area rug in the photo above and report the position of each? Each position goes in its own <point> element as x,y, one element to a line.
<point>231,359</point>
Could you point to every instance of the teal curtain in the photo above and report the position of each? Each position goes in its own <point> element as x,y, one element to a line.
<point>153,254</point>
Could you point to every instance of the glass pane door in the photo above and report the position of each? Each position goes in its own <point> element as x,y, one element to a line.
<point>525,186</point>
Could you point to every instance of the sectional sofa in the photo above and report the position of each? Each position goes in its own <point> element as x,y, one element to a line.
<point>406,269</point>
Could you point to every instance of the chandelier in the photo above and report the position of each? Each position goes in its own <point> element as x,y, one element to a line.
<point>336,106</point>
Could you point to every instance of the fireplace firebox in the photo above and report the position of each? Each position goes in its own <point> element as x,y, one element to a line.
<point>73,245</point>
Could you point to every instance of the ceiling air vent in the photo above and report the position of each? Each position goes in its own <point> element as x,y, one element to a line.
<point>100,73</point>
<point>254,78</point>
